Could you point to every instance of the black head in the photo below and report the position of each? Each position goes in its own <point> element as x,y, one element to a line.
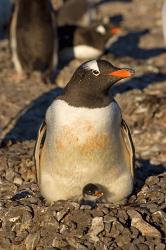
<point>91,190</point>
<point>91,82</point>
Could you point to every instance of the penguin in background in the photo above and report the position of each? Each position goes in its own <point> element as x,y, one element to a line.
<point>85,42</point>
<point>33,38</point>
<point>77,12</point>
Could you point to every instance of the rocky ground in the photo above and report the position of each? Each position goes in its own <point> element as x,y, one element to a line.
<point>26,220</point>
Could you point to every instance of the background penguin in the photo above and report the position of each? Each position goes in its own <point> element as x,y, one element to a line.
<point>77,12</point>
<point>163,13</point>
<point>84,42</point>
<point>33,39</point>
<point>84,138</point>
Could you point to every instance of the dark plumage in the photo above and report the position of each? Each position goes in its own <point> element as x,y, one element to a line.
<point>80,12</point>
<point>32,36</point>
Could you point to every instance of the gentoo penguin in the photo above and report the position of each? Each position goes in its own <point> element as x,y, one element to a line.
<point>84,138</point>
<point>33,40</point>
<point>163,13</point>
<point>91,195</point>
<point>84,42</point>
<point>77,12</point>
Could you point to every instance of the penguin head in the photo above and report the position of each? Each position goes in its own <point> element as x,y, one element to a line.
<point>97,76</point>
<point>91,192</point>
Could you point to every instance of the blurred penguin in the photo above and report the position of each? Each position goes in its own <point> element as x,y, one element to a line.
<point>84,42</point>
<point>77,12</point>
<point>33,39</point>
<point>164,19</point>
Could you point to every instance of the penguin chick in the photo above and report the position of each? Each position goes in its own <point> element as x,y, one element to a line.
<point>91,195</point>
<point>33,39</point>
<point>84,42</point>
<point>84,138</point>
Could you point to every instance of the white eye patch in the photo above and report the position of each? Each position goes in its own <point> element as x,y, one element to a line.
<point>100,29</point>
<point>92,65</point>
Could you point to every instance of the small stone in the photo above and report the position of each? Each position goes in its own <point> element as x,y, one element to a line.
<point>61,214</point>
<point>116,229</point>
<point>135,232</point>
<point>142,246</point>
<point>63,228</point>
<point>9,174</point>
<point>160,246</point>
<point>96,228</point>
<point>109,219</point>
<point>133,247</point>
<point>122,240</point>
<point>18,180</point>
<point>32,241</point>
<point>107,227</point>
<point>145,228</point>
<point>74,243</point>
<point>59,242</point>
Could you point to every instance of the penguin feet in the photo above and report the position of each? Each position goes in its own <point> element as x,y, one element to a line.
<point>17,77</point>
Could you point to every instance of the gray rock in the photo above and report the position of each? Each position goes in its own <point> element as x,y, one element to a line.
<point>96,228</point>
<point>144,227</point>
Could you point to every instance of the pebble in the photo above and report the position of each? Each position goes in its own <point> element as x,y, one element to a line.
<point>61,214</point>
<point>144,227</point>
<point>96,228</point>
<point>32,240</point>
<point>18,180</point>
<point>142,100</point>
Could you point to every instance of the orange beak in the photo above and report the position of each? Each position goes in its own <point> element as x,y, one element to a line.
<point>116,30</point>
<point>99,194</point>
<point>121,73</point>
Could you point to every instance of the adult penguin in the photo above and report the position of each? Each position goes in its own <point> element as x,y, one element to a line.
<point>33,39</point>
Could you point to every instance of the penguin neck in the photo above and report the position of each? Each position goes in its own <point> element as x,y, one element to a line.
<point>86,100</point>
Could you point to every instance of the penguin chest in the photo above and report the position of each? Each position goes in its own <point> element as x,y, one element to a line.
<point>82,139</point>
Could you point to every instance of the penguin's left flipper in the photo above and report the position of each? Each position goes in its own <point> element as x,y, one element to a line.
<point>38,148</point>
<point>128,144</point>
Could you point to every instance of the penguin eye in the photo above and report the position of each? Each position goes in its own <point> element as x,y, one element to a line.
<point>95,72</point>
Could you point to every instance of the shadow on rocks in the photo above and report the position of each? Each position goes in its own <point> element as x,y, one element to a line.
<point>128,45</point>
<point>144,169</point>
<point>29,119</point>
<point>108,1</point>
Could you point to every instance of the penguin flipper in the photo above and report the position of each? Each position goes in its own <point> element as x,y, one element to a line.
<point>128,144</point>
<point>38,147</point>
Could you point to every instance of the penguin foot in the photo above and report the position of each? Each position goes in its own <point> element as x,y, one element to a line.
<point>17,77</point>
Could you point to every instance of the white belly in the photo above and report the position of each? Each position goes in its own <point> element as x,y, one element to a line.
<point>80,52</point>
<point>86,52</point>
<point>82,146</point>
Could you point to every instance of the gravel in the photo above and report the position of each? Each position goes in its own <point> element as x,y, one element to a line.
<point>27,221</point>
